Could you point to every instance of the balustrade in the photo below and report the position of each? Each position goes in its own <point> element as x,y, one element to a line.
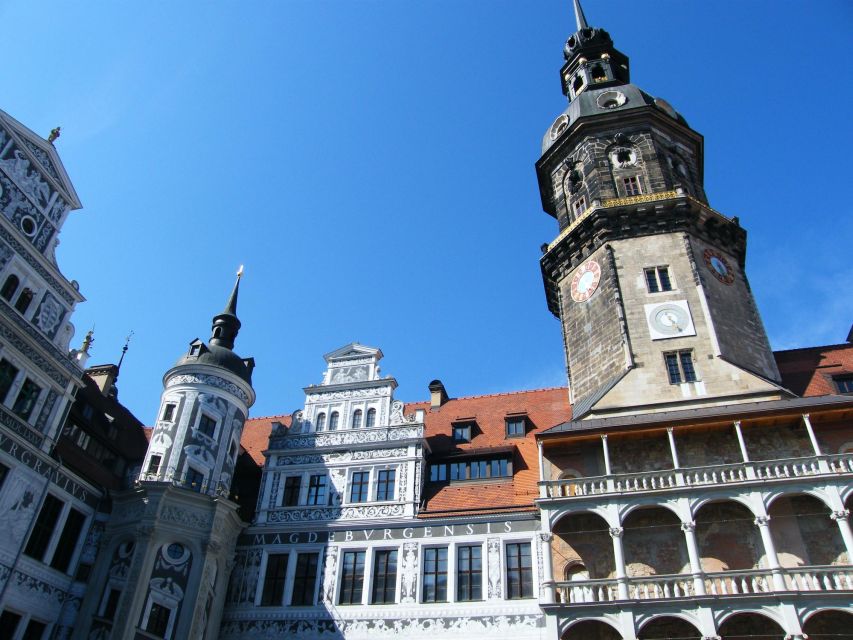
<point>699,476</point>
<point>728,583</point>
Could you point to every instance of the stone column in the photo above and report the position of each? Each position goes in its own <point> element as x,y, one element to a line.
<point>689,529</point>
<point>548,586</point>
<point>672,449</point>
<point>763,524</point>
<point>611,486</point>
<point>619,558</point>
<point>840,517</point>
<point>750,472</point>
<point>543,490</point>
<point>822,464</point>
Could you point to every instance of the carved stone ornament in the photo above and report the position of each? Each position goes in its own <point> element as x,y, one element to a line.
<point>189,518</point>
<point>409,573</point>
<point>616,532</point>
<point>337,438</point>
<point>312,514</point>
<point>494,564</point>
<point>762,521</point>
<point>330,565</point>
<point>340,456</point>
<point>349,393</point>
<point>546,537</point>
<point>840,515</point>
<point>213,381</point>
<point>688,526</point>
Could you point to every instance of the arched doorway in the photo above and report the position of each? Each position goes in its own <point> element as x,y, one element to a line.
<point>750,625</point>
<point>829,625</point>
<point>668,627</point>
<point>591,630</point>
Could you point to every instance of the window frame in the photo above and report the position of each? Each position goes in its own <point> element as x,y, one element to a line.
<point>310,584</point>
<point>843,383</point>
<point>521,570</point>
<point>356,581</point>
<point>290,496</point>
<point>468,572</point>
<point>632,185</point>
<point>370,418</point>
<point>209,419</point>
<point>169,412</point>
<point>513,420</point>
<point>268,595</point>
<point>464,428</point>
<point>188,483</point>
<point>436,573</point>
<point>680,374</point>
<point>165,603</point>
<point>56,531</point>
<point>363,484</point>
<point>320,490</point>
<point>384,484</point>
<point>653,275</point>
<point>388,576</point>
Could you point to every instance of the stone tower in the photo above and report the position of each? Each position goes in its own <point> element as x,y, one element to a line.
<point>646,278</point>
<point>164,560</point>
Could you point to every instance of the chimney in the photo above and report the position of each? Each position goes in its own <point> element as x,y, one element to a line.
<point>437,395</point>
<point>104,376</point>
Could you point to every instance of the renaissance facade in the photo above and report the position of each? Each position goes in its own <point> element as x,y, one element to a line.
<point>688,483</point>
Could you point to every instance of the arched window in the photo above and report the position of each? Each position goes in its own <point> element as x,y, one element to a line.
<point>333,421</point>
<point>321,421</point>
<point>10,287</point>
<point>371,418</point>
<point>356,419</point>
<point>24,300</point>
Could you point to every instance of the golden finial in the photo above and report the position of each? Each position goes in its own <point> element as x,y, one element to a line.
<point>240,272</point>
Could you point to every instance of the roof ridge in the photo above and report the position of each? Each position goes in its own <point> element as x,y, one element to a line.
<point>825,346</point>
<point>492,395</point>
<point>276,415</point>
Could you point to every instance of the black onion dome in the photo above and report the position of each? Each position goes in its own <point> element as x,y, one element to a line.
<point>219,357</point>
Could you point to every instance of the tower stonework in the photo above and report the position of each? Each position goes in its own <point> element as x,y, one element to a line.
<point>646,278</point>
<point>166,553</point>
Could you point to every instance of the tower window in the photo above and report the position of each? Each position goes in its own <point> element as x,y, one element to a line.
<point>154,464</point>
<point>356,419</point>
<point>169,412</point>
<point>24,300</point>
<point>598,74</point>
<point>371,418</point>
<point>207,425</point>
<point>657,279</point>
<point>579,207</point>
<point>632,186</point>
<point>321,421</point>
<point>194,479</point>
<point>159,617</point>
<point>679,366</point>
<point>577,85</point>
<point>333,420</point>
<point>10,287</point>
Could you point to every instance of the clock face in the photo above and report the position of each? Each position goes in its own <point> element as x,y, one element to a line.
<point>585,281</point>
<point>719,266</point>
<point>669,320</point>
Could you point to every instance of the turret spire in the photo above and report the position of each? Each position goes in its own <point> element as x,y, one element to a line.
<point>580,18</point>
<point>226,325</point>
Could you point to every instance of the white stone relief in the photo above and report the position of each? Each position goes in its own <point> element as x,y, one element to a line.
<point>18,168</point>
<point>213,381</point>
<point>358,436</point>
<point>494,550</point>
<point>187,517</point>
<point>348,394</point>
<point>340,456</point>
<point>343,375</point>
<point>409,573</point>
<point>17,509</point>
<point>330,566</point>
<point>310,514</point>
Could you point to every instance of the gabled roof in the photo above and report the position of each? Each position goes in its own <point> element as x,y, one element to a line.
<point>42,153</point>
<point>353,350</point>
<point>810,371</point>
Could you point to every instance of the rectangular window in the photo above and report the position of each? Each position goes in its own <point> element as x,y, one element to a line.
<point>632,186</point>
<point>384,577</point>
<point>519,571</point>
<point>679,367</point>
<point>469,573</point>
<point>158,620</point>
<point>207,425</point>
<point>35,630</point>
<point>844,384</point>
<point>476,469</point>
<point>8,373</point>
<point>169,412</point>
<point>26,400</point>
<point>274,578</point>
<point>515,427</point>
<point>458,471</point>
<point>438,472</point>
<point>359,486</point>
<point>435,575</point>
<point>4,471</point>
<point>195,479</point>
<point>68,540</point>
<point>9,621</point>
<point>154,464</point>
<point>111,604</point>
<point>385,485</point>
<point>43,529</point>
<point>317,490</point>
<point>291,491</point>
<point>352,577</point>
<point>462,433</point>
<point>304,580</point>
<point>657,279</point>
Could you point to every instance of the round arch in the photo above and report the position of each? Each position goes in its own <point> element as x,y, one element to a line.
<point>670,625</point>
<point>554,517</point>
<point>627,510</point>
<point>727,537</point>
<point>804,532</point>
<point>583,538</point>
<point>654,542</point>
<point>764,624</point>
<point>592,628</point>
<point>746,501</point>
<point>777,493</point>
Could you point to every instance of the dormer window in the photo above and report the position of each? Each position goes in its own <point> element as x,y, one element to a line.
<point>371,418</point>
<point>516,426</point>
<point>356,419</point>
<point>321,421</point>
<point>462,432</point>
<point>195,349</point>
<point>333,420</point>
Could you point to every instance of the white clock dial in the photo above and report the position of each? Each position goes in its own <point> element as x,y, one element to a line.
<point>669,320</point>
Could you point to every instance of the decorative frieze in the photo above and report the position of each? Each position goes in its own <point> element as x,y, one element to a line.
<point>309,514</point>
<point>213,381</point>
<point>31,354</point>
<point>340,456</point>
<point>349,394</point>
<point>347,437</point>
<point>43,273</point>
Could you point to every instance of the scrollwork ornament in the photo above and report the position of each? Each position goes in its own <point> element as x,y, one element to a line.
<point>762,521</point>
<point>688,526</point>
<point>546,537</point>
<point>616,532</point>
<point>843,514</point>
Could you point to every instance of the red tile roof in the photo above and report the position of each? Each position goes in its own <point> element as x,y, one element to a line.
<point>256,435</point>
<point>809,371</point>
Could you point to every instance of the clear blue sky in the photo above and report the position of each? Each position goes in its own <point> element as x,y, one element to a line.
<point>371,163</point>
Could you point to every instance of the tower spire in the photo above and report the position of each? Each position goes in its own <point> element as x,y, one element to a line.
<point>226,325</point>
<point>580,18</point>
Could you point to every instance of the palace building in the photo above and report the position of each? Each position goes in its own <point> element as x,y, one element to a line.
<point>687,483</point>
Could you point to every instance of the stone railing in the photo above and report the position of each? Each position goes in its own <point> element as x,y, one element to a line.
<point>347,437</point>
<point>729,583</point>
<point>215,487</point>
<point>713,475</point>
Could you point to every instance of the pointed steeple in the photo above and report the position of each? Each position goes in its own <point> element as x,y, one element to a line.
<point>580,18</point>
<point>226,325</point>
